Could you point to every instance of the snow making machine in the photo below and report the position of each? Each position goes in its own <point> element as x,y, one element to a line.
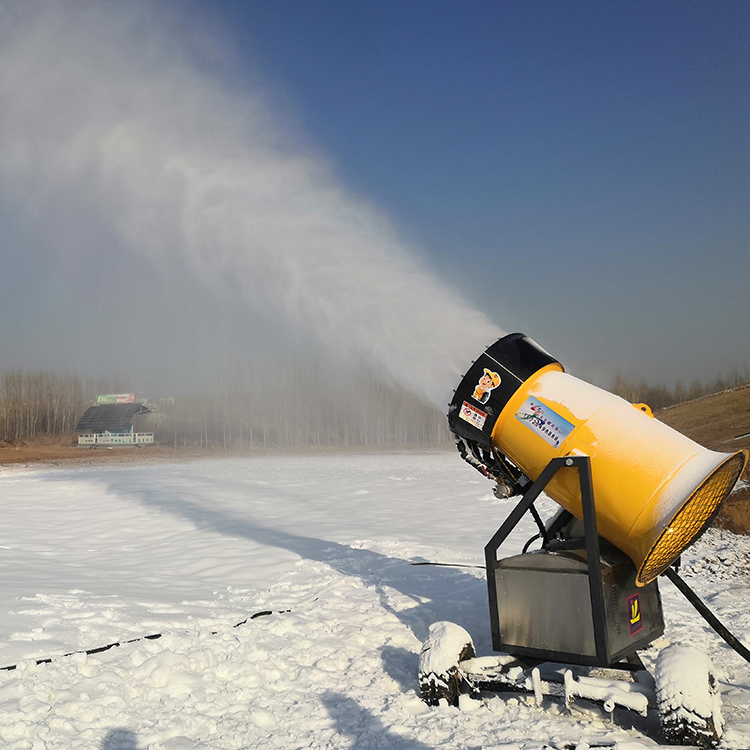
<point>568,618</point>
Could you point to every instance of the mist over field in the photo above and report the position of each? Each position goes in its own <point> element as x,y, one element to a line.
<point>164,226</point>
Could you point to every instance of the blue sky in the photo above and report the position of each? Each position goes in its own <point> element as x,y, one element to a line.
<point>578,170</point>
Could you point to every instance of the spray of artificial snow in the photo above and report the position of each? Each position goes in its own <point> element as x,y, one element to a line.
<point>105,108</point>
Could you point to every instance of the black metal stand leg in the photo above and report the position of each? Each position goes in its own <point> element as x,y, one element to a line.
<point>596,588</point>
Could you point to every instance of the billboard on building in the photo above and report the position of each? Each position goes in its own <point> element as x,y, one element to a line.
<point>116,398</point>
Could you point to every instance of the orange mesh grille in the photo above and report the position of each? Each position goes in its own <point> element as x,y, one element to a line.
<point>692,519</point>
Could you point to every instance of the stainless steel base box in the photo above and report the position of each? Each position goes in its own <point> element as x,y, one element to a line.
<point>544,607</point>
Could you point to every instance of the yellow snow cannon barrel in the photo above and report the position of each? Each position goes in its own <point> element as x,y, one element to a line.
<point>655,490</point>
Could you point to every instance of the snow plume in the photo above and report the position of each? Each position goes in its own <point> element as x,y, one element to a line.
<point>121,133</point>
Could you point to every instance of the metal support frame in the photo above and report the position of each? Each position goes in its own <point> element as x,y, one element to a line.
<point>596,588</point>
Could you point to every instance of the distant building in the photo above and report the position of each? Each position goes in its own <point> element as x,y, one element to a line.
<point>110,422</point>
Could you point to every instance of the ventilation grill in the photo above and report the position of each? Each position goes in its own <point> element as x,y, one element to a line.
<point>692,519</point>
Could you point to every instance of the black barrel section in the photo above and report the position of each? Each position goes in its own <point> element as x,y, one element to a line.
<point>490,383</point>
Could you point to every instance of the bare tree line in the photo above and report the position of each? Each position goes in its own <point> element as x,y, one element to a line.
<point>33,404</point>
<point>660,396</point>
<point>294,408</point>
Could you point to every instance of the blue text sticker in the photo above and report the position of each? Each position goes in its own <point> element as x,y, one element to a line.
<point>549,425</point>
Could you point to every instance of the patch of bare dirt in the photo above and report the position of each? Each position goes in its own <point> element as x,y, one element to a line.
<point>735,513</point>
<point>722,423</point>
<point>43,452</point>
<point>55,451</point>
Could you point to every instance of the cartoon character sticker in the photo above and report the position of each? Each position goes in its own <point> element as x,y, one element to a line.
<point>487,383</point>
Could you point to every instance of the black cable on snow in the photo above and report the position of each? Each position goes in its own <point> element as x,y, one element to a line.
<point>98,650</point>
<point>707,614</point>
<point>153,637</point>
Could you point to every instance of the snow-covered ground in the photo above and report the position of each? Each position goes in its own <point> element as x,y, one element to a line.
<point>192,551</point>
